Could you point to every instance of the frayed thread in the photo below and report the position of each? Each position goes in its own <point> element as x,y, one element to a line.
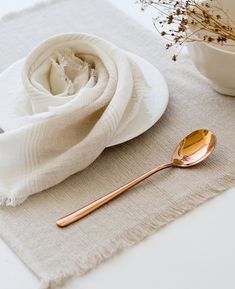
<point>11,201</point>
<point>38,6</point>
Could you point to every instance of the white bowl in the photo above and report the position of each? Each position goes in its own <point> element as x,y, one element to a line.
<point>217,62</point>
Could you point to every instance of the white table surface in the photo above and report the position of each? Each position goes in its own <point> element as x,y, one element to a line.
<point>197,251</point>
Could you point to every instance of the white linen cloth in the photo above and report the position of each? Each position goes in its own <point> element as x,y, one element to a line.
<point>78,91</point>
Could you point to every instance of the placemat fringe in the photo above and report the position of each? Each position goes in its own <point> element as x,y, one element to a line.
<point>37,6</point>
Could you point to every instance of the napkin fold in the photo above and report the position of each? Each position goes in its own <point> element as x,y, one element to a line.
<point>78,91</point>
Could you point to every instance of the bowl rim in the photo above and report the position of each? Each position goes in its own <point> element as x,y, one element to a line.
<point>215,46</point>
<point>218,48</point>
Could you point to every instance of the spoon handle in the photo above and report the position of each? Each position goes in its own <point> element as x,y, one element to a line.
<point>84,211</point>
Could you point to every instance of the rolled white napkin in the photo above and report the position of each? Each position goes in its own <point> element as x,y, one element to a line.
<point>78,92</point>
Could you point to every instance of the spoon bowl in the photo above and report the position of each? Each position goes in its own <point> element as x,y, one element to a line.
<point>194,148</point>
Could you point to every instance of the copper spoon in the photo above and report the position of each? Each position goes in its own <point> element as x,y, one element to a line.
<point>193,149</point>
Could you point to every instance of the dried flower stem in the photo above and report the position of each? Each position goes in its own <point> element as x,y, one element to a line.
<point>181,21</point>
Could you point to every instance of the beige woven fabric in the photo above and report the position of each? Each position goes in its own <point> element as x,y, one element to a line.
<point>54,254</point>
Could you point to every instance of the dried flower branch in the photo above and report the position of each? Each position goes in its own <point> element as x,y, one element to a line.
<point>181,21</point>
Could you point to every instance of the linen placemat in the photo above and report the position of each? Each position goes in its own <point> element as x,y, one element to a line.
<point>54,254</point>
